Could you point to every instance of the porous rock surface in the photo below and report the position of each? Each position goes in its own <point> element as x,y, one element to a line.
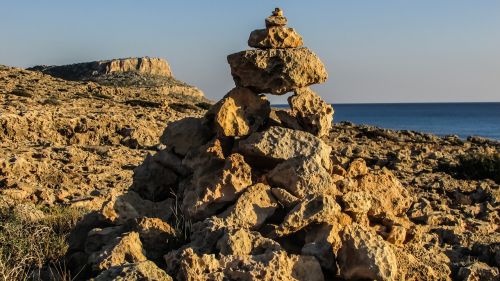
<point>284,204</point>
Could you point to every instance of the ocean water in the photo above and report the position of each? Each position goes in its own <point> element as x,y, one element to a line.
<point>462,119</point>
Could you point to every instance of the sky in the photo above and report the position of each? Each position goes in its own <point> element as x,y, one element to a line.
<point>374,50</point>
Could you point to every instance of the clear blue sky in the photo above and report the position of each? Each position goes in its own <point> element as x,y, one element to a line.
<point>375,51</point>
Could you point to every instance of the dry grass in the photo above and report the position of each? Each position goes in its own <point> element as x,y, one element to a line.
<point>34,249</point>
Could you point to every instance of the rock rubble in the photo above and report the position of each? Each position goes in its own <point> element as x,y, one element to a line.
<point>246,193</point>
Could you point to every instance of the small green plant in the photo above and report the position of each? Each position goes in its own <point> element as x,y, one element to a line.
<point>30,247</point>
<point>476,167</point>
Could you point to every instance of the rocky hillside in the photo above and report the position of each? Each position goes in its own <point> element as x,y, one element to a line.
<point>246,192</point>
<point>74,142</point>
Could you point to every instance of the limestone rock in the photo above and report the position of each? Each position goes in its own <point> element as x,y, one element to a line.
<point>240,113</point>
<point>323,241</point>
<point>212,154</point>
<point>119,209</point>
<point>277,144</point>
<point>312,113</point>
<point>357,168</point>
<point>478,271</point>
<point>275,37</point>
<point>317,209</point>
<point>212,190</point>
<point>122,250</point>
<point>146,270</point>
<point>266,267</point>
<point>186,134</point>
<point>284,197</point>
<point>243,242</point>
<point>153,181</point>
<point>156,235</point>
<point>301,176</point>
<point>252,208</point>
<point>276,71</point>
<point>364,255</point>
<point>276,18</point>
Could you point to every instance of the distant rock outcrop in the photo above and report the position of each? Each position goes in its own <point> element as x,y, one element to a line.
<point>89,70</point>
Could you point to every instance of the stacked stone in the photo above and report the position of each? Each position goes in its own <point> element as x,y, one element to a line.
<point>278,65</point>
<point>242,194</point>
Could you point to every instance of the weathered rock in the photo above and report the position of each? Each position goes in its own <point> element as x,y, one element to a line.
<point>146,270</point>
<point>99,237</point>
<point>276,71</point>
<point>364,255</point>
<point>277,144</point>
<point>284,197</point>
<point>251,209</point>
<point>303,176</point>
<point>275,37</point>
<point>312,113</point>
<point>240,113</point>
<point>87,70</point>
<point>119,209</point>
<point>243,242</point>
<point>317,209</point>
<point>207,156</point>
<point>186,134</point>
<point>397,235</point>
<point>153,181</point>
<point>323,242</point>
<point>266,267</point>
<point>276,19</point>
<point>122,250</point>
<point>214,189</point>
<point>478,271</point>
<point>357,168</point>
<point>156,235</point>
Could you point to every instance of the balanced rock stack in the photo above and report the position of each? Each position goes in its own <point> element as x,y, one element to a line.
<point>249,193</point>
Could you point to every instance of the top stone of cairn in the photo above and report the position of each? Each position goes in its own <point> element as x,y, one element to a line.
<point>276,35</point>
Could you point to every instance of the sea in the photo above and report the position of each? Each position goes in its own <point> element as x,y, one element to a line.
<point>442,119</point>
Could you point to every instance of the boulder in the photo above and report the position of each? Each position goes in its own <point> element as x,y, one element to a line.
<point>212,190</point>
<point>240,113</point>
<point>276,37</point>
<point>183,135</point>
<point>153,181</point>
<point>146,270</point>
<point>312,113</point>
<point>251,209</point>
<point>243,242</point>
<point>206,157</point>
<point>301,176</point>
<point>364,255</point>
<point>122,250</point>
<point>129,206</point>
<point>277,144</point>
<point>318,209</point>
<point>478,271</point>
<point>269,266</point>
<point>323,241</point>
<point>276,71</point>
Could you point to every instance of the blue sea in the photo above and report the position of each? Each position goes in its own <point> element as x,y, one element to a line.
<point>462,119</point>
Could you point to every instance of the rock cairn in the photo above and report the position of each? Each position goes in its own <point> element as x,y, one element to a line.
<point>251,193</point>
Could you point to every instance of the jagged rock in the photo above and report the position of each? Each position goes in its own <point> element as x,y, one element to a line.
<point>146,270</point>
<point>171,161</point>
<point>478,271</point>
<point>285,119</point>
<point>87,70</point>
<point>303,176</point>
<point>251,209</point>
<point>357,168</point>
<point>317,209</point>
<point>212,190</point>
<point>323,242</point>
<point>240,113</point>
<point>119,209</point>
<point>122,250</point>
<point>284,197</point>
<point>266,267</point>
<point>397,235</point>
<point>313,114</point>
<point>276,71</point>
<point>276,19</point>
<point>153,181</point>
<point>156,235</point>
<point>183,135</point>
<point>277,144</point>
<point>382,191</point>
<point>243,242</point>
<point>364,255</point>
<point>276,37</point>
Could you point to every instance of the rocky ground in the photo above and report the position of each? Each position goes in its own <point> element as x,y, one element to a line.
<point>74,143</point>
<point>241,191</point>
